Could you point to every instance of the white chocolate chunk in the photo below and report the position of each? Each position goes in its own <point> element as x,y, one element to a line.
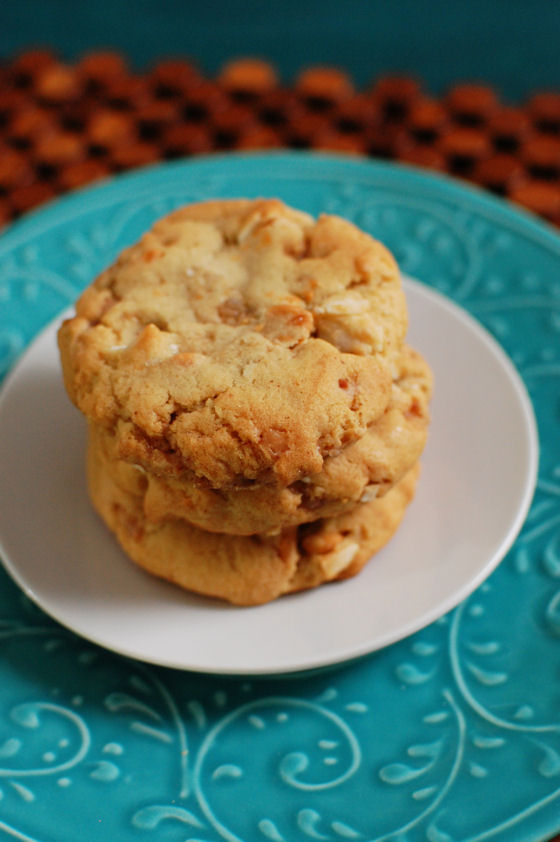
<point>335,562</point>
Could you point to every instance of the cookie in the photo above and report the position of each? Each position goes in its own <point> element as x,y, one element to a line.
<point>366,469</point>
<point>244,570</point>
<point>240,342</point>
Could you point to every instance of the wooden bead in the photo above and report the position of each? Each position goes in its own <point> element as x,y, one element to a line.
<point>11,101</point>
<point>248,75</point>
<point>539,197</point>
<point>508,127</point>
<point>471,104</point>
<point>26,67</point>
<point>500,173</point>
<point>421,155</point>
<point>259,137</point>
<point>541,156</point>
<point>134,155</point>
<point>233,118</point>
<point>202,101</point>
<point>308,129</point>
<point>395,96</point>
<point>58,83</point>
<point>173,76</point>
<point>383,140</point>
<point>103,66</point>
<point>463,148</point>
<point>15,168</point>
<point>30,195</point>
<point>110,128</point>
<point>82,173</point>
<point>279,108</point>
<point>324,83</point>
<point>59,148</point>
<point>153,117</point>
<point>126,92</point>
<point>186,139</point>
<point>544,109</point>
<point>426,120</point>
<point>355,114</point>
<point>341,143</point>
<point>30,124</point>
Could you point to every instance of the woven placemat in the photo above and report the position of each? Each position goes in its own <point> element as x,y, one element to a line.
<point>65,125</point>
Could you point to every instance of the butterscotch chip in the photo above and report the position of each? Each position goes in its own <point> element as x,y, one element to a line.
<point>239,341</point>
<point>244,570</point>
<point>363,471</point>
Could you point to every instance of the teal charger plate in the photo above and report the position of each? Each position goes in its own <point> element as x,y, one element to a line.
<point>397,746</point>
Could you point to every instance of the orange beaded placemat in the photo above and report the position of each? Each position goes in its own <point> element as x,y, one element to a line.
<point>65,125</point>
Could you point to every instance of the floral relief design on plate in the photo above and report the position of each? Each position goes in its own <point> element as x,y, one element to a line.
<point>385,755</point>
<point>393,747</point>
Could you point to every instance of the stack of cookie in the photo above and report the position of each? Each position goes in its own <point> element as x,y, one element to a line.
<point>255,414</point>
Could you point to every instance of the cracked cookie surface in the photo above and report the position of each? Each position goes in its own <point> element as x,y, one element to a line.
<point>239,341</point>
<point>365,469</point>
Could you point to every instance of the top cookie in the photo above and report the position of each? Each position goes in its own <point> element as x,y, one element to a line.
<point>240,340</point>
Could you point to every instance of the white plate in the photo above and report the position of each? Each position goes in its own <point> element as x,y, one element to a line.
<point>478,478</point>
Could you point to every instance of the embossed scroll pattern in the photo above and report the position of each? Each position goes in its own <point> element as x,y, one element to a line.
<point>398,746</point>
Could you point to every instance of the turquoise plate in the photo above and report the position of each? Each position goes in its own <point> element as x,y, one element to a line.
<point>451,734</point>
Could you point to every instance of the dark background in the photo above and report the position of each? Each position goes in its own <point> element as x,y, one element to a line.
<point>512,44</point>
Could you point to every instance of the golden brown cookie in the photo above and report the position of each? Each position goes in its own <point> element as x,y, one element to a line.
<point>239,341</point>
<point>244,570</point>
<point>365,469</point>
